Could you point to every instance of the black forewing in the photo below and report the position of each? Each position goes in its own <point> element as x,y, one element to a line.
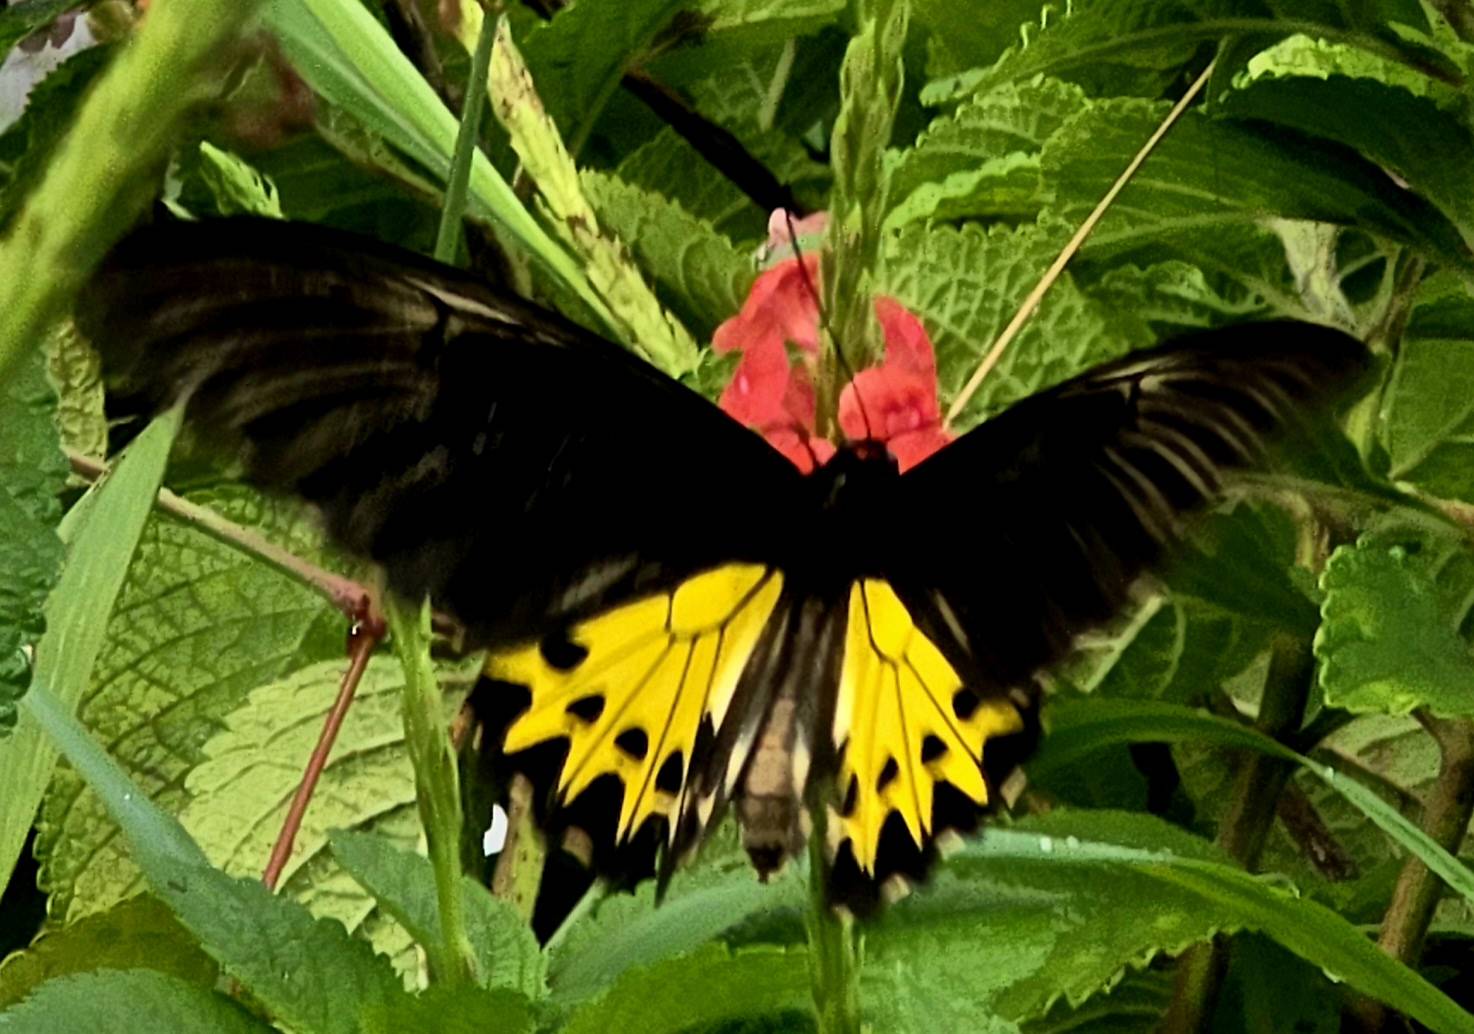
<point>1057,505</point>
<point>512,465</point>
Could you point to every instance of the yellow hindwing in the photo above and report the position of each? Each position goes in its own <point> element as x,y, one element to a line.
<point>652,670</point>
<point>897,726</point>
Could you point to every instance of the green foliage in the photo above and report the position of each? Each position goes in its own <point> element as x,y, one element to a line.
<point>130,1001</point>
<point>33,470</point>
<point>1391,637</point>
<point>1325,176</point>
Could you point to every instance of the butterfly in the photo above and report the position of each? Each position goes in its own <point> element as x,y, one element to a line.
<point>679,623</point>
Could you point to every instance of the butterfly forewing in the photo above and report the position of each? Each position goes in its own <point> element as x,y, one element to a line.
<point>679,622</point>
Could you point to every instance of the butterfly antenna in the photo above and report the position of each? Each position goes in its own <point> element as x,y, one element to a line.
<point>840,357</point>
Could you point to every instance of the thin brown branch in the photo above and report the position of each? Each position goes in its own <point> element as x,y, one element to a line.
<point>363,648</point>
<point>1253,804</point>
<point>356,601</point>
<point>1446,813</point>
<point>1033,298</point>
<point>1298,814</point>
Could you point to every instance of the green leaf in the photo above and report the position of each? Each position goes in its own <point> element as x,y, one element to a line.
<point>1427,424</point>
<point>128,1002</point>
<point>1206,175</point>
<point>308,973</point>
<point>1390,637</point>
<point>139,933</point>
<point>980,38</point>
<point>27,144</point>
<point>32,474</point>
<point>1080,728</point>
<point>76,370</point>
<point>669,167</point>
<point>698,272</point>
<point>20,19</point>
<point>237,188</point>
<point>728,985</point>
<point>766,20</point>
<point>578,57</point>
<point>965,285</point>
<point>507,954</point>
<point>1077,897</point>
<point>240,791</point>
<point>101,532</point>
<point>1408,135</point>
<point>1175,295</point>
<point>704,900</point>
<point>198,625</point>
<point>1135,46</point>
<point>349,58</point>
<point>983,158</point>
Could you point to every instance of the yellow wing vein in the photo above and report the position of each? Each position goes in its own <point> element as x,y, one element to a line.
<point>570,777</point>
<point>946,716</point>
<point>633,807</point>
<point>908,749</point>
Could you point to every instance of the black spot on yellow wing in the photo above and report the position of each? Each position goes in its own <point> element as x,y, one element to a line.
<point>627,692</point>
<point>910,737</point>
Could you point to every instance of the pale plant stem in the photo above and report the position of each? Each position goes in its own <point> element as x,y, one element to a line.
<point>1034,297</point>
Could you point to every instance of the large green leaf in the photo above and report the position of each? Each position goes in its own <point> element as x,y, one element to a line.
<point>140,933</point>
<point>1131,46</point>
<point>136,1001</point>
<point>1427,422</point>
<point>698,273</point>
<point>983,158</point>
<point>578,57</point>
<point>101,532</point>
<point>1411,136</point>
<point>1063,904</point>
<point>240,792</point>
<point>1207,175</point>
<point>1390,639</point>
<point>404,885</point>
<point>965,285</point>
<point>309,973</point>
<point>708,986</point>
<point>198,625</point>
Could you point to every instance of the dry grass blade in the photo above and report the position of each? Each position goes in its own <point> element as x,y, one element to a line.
<point>1034,297</point>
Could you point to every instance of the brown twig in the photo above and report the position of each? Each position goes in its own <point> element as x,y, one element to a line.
<point>355,600</point>
<point>363,648</point>
<point>1243,829</point>
<point>1446,813</point>
<point>1033,298</point>
<point>1314,838</point>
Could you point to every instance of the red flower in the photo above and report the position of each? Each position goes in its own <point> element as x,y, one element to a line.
<point>894,402</point>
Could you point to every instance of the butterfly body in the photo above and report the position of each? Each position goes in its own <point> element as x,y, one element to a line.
<point>679,623</point>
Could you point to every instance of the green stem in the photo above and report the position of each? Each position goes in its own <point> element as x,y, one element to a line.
<point>835,949</point>
<point>437,786</point>
<point>105,172</point>
<point>448,239</point>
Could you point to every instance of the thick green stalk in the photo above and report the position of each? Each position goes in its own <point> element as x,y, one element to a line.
<point>835,950</point>
<point>447,240</point>
<point>437,786</point>
<point>107,168</point>
<point>870,85</point>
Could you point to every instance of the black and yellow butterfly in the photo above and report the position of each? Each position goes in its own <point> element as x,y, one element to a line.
<point>692,624</point>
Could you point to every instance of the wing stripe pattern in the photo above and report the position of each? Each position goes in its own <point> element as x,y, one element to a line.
<point>899,726</point>
<point>631,688</point>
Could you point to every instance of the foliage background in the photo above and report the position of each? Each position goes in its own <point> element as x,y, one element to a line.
<point>1324,175</point>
